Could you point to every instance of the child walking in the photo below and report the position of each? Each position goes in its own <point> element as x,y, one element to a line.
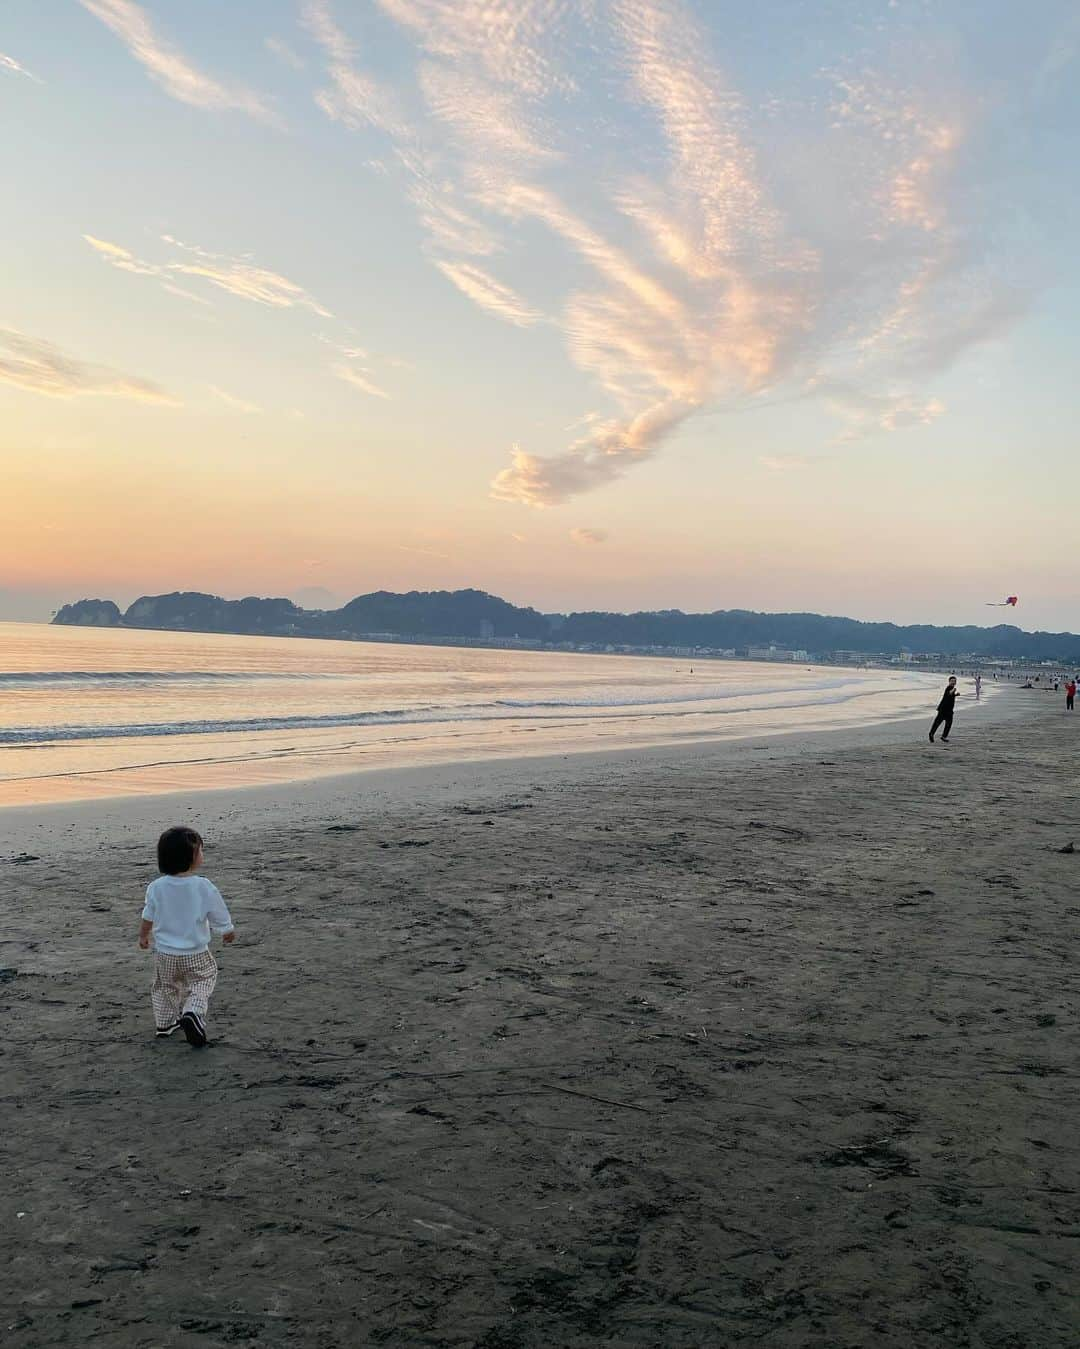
<point>182,909</point>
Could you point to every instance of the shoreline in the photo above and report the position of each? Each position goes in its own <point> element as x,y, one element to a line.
<point>68,824</point>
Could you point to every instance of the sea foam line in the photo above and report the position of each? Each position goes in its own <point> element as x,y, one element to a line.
<point>123,678</point>
<point>548,711</point>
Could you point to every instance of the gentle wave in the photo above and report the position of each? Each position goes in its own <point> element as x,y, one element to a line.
<point>711,695</point>
<point>124,678</point>
<point>28,735</point>
<point>25,735</point>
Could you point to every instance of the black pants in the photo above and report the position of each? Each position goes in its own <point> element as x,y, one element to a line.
<point>942,719</point>
<point>1068,702</point>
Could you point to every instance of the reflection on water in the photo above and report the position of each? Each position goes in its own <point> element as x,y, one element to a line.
<point>89,712</point>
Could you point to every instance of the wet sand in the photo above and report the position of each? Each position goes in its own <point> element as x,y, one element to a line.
<point>775,1046</point>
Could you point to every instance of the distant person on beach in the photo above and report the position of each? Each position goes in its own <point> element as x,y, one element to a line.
<point>978,687</point>
<point>182,909</point>
<point>945,711</point>
<point>1070,695</point>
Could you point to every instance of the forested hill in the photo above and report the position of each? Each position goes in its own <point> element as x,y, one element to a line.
<point>473,615</point>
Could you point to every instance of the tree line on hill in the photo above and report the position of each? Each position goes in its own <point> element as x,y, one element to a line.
<point>473,615</point>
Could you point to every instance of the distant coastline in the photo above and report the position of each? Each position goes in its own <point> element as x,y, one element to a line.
<point>475,618</point>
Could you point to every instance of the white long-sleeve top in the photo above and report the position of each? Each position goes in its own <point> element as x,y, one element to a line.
<point>184,911</point>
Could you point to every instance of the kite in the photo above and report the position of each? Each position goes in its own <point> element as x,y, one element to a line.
<point>1011,602</point>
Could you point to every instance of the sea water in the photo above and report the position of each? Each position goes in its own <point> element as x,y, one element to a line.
<point>97,712</point>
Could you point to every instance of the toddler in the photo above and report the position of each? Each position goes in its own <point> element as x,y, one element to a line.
<point>181,910</point>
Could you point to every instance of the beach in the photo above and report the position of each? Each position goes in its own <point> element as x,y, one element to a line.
<point>769,1042</point>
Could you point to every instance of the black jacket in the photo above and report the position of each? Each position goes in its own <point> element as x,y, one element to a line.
<point>945,707</point>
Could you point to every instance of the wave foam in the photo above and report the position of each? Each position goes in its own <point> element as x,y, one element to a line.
<point>503,710</point>
<point>124,678</point>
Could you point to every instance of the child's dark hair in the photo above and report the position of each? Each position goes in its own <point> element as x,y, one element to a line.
<point>176,850</point>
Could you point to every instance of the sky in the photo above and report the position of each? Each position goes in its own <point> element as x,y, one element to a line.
<point>618,304</point>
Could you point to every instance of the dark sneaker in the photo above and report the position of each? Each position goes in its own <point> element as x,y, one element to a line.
<point>191,1023</point>
<point>163,1031</point>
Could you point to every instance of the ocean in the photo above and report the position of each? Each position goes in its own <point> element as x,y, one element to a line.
<point>89,713</point>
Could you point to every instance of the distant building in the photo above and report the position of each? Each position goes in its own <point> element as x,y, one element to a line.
<point>775,653</point>
<point>854,657</point>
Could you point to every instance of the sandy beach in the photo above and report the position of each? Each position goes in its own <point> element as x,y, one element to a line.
<point>769,1043</point>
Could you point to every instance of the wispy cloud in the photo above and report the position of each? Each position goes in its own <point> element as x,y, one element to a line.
<point>599,458</point>
<point>122,258</point>
<point>489,294</point>
<point>481,117</point>
<point>182,293</point>
<point>359,379</point>
<point>238,276</point>
<point>278,47</point>
<point>589,537</point>
<point>249,282</point>
<point>244,279</point>
<point>358,365</point>
<point>650,340</point>
<point>168,66</point>
<point>355,98</point>
<point>716,308</point>
<point>866,414</point>
<point>231,400</point>
<point>922,145</point>
<point>513,42</point>
<point>484,117</point>
<point>9,63</point>
<point>40,367</point>
<point>698,272</point>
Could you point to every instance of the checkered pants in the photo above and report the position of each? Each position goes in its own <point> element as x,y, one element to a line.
<point>181,984</point>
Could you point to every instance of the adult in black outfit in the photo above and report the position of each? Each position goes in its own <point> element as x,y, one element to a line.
<point>945,711</point>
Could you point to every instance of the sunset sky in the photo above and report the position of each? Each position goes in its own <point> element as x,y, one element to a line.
<point>589,303</point>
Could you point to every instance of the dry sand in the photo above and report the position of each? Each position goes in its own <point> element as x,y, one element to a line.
<point>775,1046</point>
